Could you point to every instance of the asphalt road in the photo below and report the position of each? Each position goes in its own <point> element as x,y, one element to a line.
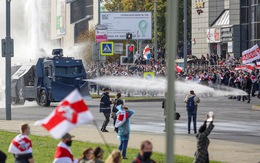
<point>234,120</point>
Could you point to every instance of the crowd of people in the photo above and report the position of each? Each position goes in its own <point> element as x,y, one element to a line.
<point>22,150</point>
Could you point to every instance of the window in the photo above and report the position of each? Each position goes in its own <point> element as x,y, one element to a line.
<point>244,3</point>
<point>244,15</point>
<point>68,70</point>
<point>255,31</point>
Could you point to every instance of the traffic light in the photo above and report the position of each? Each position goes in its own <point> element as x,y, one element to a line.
<point>128,36</point>
<point>129,58</point>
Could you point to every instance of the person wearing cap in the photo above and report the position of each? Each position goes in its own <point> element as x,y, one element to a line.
<point>202,155</point>
<point>105,108</point>
<point>192,106</point>
<point>63,153</point>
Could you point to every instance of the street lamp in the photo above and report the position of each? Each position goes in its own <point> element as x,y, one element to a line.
<point>155,30</point>
<point>7,52</point>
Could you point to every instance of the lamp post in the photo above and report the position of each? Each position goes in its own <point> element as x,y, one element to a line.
<point>7,52</point>
<point>155,30</point>
<point>171,40</point>
<point>185,32</point>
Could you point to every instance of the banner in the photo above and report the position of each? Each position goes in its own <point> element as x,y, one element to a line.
<point>251,54</point>
<point>249,68</point>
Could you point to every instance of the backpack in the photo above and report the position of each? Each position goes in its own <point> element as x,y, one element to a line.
<point>191,104</point>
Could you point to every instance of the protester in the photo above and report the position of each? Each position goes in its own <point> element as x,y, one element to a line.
<point>177,115</point>
<point>192,106</point>
<point>2,157</point>
<point>105,108</point>
<point>86,155</point>
<point>202,155</point>
<point>114,157</point>
<point>123,124</point>
<point>145,153</point>
<point>63,153</point>
<point>97,156</point>
<point>118,101</point>
<point>21,146</point>
<point>247,84</point>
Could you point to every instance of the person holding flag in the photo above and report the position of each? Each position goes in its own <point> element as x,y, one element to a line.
<point>63,153</point>
<point>123,125</point>
<point>21,146</point>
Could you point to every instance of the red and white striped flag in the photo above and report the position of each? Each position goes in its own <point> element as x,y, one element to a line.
<point>178,69</point>
<point>147,53</point>
<point>70,113</point>
<point>121,117</point>
<point>21,144</point>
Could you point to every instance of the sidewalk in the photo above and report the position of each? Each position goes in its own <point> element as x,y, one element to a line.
<point>184,144</point>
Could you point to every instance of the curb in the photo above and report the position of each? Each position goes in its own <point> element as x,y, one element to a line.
<point>146,100</point>
<point>255,107</point>
<point>142,100</point>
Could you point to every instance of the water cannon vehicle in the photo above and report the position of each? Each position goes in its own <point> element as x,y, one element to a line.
<point>48,80</point>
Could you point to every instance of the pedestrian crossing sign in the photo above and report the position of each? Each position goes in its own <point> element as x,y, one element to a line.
<point>148,75</point>
<point>107,48</point>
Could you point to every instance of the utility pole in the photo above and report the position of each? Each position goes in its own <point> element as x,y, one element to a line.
<point>185,32</point>
<point>171,40</point>
<point>155,30</point>
<point>7,52</point>
<point>98,73</point>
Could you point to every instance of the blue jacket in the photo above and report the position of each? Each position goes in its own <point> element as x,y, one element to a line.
<point>124,130</point>
<point>105,103</point>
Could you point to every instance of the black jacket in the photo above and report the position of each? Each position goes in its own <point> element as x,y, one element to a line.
<point>247,84</point>
<point>140,159</point>
<point>105,103</point>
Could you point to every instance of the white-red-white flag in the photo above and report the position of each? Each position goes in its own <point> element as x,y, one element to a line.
<point>70,113</point>
<point>21,144</point>
<point>178,69</point>
<point>251,54</point>
<point>147,52</point>
<point>121,117</point>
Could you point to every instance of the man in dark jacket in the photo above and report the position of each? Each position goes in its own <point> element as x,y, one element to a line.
<point>202,155</point>
<point>145,153</point>
<point>105,108</point>
<point>247,84</point>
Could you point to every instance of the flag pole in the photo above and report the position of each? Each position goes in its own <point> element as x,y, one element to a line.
<point>102,136</point>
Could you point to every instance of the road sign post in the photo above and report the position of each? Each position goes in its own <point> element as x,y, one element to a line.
<point>7,52</point>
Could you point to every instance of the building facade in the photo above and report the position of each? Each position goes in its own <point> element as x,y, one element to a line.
<point>69,19</point>
<point>225,26</point>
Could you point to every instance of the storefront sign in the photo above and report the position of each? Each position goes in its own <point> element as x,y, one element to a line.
<point>213,35</point>
<point>226,34</point>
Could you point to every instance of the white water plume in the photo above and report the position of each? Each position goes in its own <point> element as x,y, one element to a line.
<point>160,84</point>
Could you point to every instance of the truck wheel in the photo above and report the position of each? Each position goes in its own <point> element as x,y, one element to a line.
<point>43,101</point>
